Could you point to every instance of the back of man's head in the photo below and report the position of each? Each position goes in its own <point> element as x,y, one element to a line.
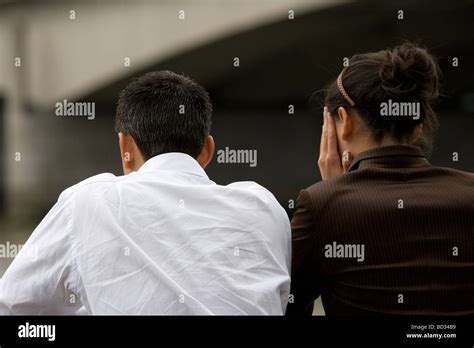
<point>164,112</point>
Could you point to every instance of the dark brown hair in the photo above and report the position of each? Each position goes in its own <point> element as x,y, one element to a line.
<point>406,73</point>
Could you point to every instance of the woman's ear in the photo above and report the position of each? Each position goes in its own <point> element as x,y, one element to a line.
<point>346,123</point>
<point>207,152</point>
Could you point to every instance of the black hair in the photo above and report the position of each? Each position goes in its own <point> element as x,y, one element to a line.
<point>164,112</point>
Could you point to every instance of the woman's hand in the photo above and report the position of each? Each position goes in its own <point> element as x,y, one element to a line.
<point>330,163</point>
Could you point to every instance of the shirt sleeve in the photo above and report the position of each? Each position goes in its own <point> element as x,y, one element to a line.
<point>41,278</point>
<point>305,275</point>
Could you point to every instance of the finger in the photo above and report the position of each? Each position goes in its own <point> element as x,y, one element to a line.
<point>324,135</point>
<point>332,149</point>
<point>346,160</point>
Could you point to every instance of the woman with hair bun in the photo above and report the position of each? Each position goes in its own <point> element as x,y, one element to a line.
<point>385,232</point>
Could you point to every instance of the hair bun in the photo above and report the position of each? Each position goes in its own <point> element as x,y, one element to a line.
<point>409,72</point>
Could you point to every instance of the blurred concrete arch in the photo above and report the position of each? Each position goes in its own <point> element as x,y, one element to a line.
<point>89,51</point>
<point>283,60</point>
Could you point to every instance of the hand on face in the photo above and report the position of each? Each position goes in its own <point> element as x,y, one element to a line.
<point>330,163</point>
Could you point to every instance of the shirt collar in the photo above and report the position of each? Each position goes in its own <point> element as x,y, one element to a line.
<point>173,161</point>
<point>393,156</point>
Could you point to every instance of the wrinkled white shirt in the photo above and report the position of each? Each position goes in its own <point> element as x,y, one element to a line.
<point>162,240</point>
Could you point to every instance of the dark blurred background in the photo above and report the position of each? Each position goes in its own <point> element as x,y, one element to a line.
<point>282,62</point>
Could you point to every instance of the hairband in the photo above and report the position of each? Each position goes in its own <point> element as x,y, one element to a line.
<point>343,91</point>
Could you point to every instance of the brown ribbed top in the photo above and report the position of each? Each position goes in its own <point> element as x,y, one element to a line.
<point>416,223</point>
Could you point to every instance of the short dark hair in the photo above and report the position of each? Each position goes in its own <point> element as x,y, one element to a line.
<point>164,112</point>
<point>406,73</point>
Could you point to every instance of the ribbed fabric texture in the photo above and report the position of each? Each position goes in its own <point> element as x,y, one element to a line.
<point>416,224</point>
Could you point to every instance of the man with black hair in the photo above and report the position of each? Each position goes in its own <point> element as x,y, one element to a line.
<point>162,239</point>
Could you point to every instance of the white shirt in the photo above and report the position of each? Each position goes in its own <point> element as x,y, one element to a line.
<point>162,240</point>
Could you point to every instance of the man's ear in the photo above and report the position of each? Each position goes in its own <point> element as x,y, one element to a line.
<point>346,123</point>
<point>132,159</point>
<point>207,152</point>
